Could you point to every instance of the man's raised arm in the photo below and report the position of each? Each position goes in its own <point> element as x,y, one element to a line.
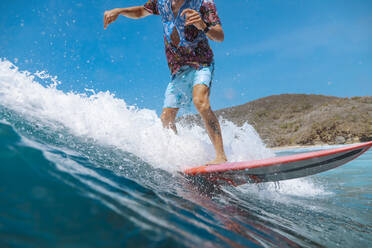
<point>132,12</point>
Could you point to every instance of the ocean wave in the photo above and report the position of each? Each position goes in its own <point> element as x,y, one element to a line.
<point>110,121</point>
<point>88,170</point>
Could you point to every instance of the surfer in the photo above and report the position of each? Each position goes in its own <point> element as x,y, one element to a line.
<point>187,26</point>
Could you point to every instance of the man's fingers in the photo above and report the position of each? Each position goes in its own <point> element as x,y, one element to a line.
<point>193,17</point>
<point>192,22</point>
<point>193,13</point>
<point>104,22</point>
<point>186,11</point>
<point>196,18</point>
<point>108,19</point>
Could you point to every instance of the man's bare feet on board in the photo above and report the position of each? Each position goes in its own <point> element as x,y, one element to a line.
<point>218,160</point>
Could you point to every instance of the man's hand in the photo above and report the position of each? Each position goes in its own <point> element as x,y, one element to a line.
<point>110,16</point>
<point>193,18</point>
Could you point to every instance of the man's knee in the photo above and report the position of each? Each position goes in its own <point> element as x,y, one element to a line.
<point>168,116</point>
<point>201,104</point>
<point>163,118</point>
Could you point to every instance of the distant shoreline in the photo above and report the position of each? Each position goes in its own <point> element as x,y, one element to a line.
<point>283,148</point>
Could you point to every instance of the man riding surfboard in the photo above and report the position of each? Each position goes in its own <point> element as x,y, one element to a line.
<point>187,26</point>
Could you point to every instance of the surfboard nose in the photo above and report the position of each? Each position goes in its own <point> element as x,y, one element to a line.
<point>280,168</point>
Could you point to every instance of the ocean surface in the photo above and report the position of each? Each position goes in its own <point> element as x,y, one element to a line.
<point>86,170</point>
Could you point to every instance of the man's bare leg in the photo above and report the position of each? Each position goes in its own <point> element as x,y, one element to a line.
<point>168,118</point>
<point>201,102</point>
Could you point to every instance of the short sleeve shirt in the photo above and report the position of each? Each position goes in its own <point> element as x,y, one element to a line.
<point>192,47</point>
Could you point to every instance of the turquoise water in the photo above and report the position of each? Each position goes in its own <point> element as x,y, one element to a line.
<point>53,194</point>
<point>88,171</point>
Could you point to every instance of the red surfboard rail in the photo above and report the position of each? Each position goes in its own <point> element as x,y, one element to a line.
<point>233,166</point>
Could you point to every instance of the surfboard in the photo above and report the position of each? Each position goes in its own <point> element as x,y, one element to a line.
<point>279,168</point>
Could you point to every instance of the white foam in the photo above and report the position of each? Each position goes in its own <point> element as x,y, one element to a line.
<point>301,187</point>
<point>110,121</point>
<point>288,192</point>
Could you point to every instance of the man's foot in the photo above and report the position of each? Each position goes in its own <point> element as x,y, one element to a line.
<point>217,161</point>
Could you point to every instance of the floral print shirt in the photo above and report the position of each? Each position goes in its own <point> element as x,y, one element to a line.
<point>185,45</point>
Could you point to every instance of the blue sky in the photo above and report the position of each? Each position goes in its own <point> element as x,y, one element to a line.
<point>270,47</point>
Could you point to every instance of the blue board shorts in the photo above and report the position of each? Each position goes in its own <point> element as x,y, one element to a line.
<point>180,89</point>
